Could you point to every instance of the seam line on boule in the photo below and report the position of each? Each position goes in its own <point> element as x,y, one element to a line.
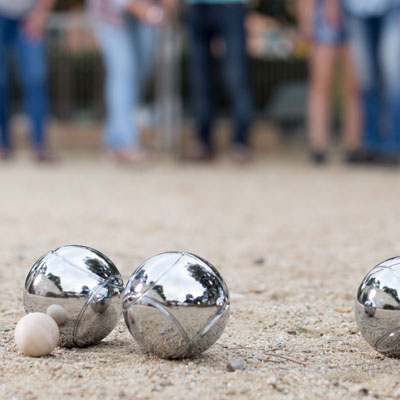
<point>384,337</point>
<point>98,278</point>
<point>83,309</point>
<point>394,272</point>
<point>34,271</point>
<point>161,308</point>
<point>212,268</point>
<point>142,295</point>
<point>88,300</point>
<point>210,324</point>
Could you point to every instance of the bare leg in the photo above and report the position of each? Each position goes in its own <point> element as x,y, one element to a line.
<point>322,68</point>
<point>352,109</point>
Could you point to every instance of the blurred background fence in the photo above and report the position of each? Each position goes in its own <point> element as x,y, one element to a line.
<point>278,70</point>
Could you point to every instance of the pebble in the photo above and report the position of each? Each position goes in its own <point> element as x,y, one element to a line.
<point>271,380</point>
<point>4,328</point>
<point>235,365</point>
<point>58,313</point>
<point>18,256</point>
<point>359,390</point>
<point>343,310</point>
<point>36,334</point>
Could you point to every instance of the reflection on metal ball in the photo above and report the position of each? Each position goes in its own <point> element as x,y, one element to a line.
<point>85,283</point>
<point>176,305</point>
<point>378,307</point>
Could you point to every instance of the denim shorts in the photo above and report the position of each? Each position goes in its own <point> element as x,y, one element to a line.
<point>324,31</point>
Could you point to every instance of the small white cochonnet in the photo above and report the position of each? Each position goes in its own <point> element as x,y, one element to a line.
<point>36,334</point>
<point>58,313</point>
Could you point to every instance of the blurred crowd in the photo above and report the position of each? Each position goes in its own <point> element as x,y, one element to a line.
<point>363,36</point>
<point>366,35</point>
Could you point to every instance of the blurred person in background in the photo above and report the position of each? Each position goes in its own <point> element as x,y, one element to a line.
<point>125,30</point>
<point>22,25</point>
<point>208,20</point>
<point>374,32</point>
<point>321,23</point>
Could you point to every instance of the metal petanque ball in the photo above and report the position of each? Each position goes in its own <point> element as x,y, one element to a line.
<point>378,307</point>
<point>176,305</point>
<point>86,284</point>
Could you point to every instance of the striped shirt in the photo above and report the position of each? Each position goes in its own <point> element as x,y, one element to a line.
<point>365,8</point>
<point>16,8</point>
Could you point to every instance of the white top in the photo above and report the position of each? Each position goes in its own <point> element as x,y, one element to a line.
<point>365,8</point>
<point>16,8</point>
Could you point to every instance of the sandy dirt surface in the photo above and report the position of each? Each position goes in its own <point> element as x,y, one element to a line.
<point>292,242</point>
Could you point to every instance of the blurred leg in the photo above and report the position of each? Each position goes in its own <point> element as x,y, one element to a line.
<point>389,56</point>
<point>352,108</point>
<point>232,22</point>
<point>322,67</point>
<point>6,34</point>
<point>144,37</point>
<point>201,71</point>
<point>364,35</point>
<point>33,72</point>
<point>121,90</point>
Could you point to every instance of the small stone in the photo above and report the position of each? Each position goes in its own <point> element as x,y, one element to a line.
<point>343,309</point>
<point>235,365</point>
<point>275,296</point>
<point>359,390</point>
<point>4,328</point>
<point>301,329</point>
<point>18,256</point>
<point>271,381</point>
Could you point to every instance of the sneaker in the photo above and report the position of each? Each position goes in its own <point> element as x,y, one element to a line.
<point>44,157</point>
<point>319,157</point>
<point>387,160</point>
<point>5,155</point>
<point>241,154</point>
<point>359,156</point>
<point>130,156</point>
<point>199,153</point>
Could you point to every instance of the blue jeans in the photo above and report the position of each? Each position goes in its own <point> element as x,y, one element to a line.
<point>324,32</point>
<point>128,57</point>
<point>207,21</point>
<point>32,69</point>
<point>376,45</point>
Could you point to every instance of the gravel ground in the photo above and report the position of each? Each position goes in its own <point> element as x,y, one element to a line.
<point>292,242</point>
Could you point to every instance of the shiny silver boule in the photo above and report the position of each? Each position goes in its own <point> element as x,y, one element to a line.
<point>86,284</point>
<point>176,305</point>
<point>377,307</point>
